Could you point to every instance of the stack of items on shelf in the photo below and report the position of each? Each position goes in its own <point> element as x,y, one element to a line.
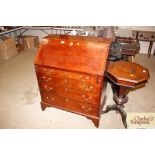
<point>7,48</point>
<point>29,41</point>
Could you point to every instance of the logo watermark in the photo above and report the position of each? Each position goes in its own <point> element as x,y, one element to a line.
<point>141,120</point>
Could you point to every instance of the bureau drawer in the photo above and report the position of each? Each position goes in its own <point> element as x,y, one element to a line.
<point>148,36</point>
<point>69,104</point>
<point>69,83</point>
<point>56,73</point>
<point>71,93</point>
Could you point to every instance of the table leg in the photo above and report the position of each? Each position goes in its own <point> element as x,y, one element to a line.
<point>120,109</point>
<point>150,49</point>
<point>120,98</point>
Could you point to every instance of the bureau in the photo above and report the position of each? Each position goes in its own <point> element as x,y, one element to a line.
<point>70,74</point>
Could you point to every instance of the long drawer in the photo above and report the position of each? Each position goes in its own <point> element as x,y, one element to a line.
<point>70,104</point>
<point>148,36</point>
<point>69,83</point>
<point>56,73</point>
<point>71,93</point>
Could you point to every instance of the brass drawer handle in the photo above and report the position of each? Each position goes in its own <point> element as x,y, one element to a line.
<point>66,81</point>
<point>83,107</point>
<point>91,87</point>
<point>47,71</point>
<point>50,99</point>
<point>87,88</point>
<point>84,86</point>
<point>86,109</point>
<point>89,108</point>
<point>48,88</point>
<point>46,79</point>
<point>87,98</point>
<point>66,89</point>
<point>66,100</point>
<point>87,77</point>
<point>80,76</point>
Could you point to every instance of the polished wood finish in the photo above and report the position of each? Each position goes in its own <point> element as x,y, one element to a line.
<point>70,72</point>
<point>127,73</point>
<point>130,46</point>
<point>74,53</point>
<point>124,76</point>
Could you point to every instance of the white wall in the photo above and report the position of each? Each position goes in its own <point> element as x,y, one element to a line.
<point>143,28</point>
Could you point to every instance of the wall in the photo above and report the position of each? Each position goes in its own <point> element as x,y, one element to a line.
<point>143,28</point>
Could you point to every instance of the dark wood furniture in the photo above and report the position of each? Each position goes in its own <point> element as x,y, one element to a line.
<point>124,76</point>
<point>70,72</point>
<point>130,46</point>
<point>148,36</point>
<point>123,48</point>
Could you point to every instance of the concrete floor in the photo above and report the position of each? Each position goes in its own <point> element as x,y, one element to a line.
<point>20,98</point>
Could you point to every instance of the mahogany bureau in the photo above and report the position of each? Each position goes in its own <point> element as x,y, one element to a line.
<point>70,73</point>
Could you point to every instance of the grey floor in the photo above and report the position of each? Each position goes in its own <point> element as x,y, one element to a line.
<point>20,98</point>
